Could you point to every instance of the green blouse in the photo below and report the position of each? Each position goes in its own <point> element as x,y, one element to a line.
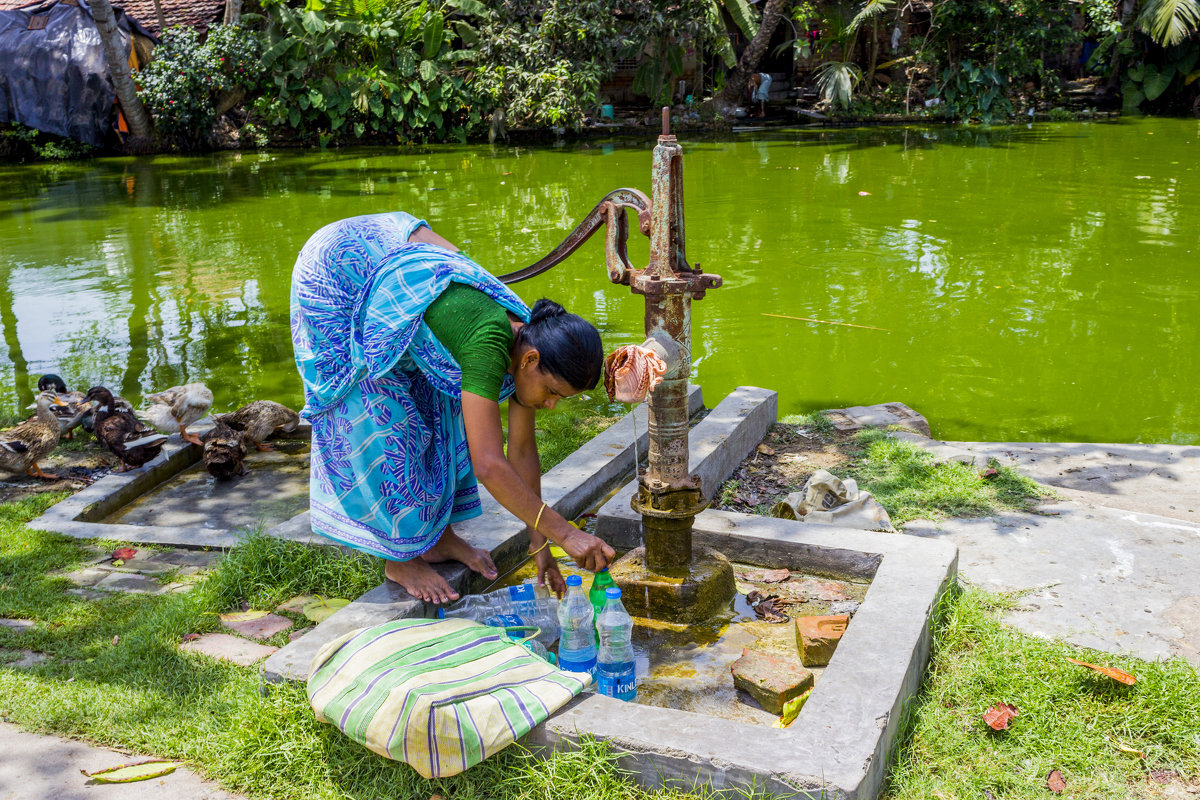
<point>476,331</point>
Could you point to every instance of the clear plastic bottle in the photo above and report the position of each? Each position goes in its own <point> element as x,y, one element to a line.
<point>525,604</point>
<point>544,617</point>
<point>498,601</point>
<point>616,675</point>
<point>576,623</point>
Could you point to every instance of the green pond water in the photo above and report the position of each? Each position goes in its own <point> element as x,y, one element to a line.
<point>1033,283</point>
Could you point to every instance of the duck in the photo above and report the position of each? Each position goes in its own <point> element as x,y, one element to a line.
<point>23,446</point>
<point>262,418</point>
<point>72,412</point>
<point>225,450</point>
<point>172,410</point>
<point>121,433</point>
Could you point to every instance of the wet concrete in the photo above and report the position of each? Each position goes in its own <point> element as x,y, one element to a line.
<point>274,491</point>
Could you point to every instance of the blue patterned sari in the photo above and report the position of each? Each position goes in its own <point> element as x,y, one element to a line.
<point>390,466</point>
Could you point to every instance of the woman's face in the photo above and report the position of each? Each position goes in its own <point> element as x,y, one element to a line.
<point>537,389</point>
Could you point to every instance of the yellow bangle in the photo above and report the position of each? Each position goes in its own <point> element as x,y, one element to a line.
<point>540,549</point>
<point>539,517</point>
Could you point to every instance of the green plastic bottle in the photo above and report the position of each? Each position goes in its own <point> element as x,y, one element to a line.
<point>601,581</point>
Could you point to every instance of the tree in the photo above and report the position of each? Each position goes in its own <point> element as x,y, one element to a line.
<point>735,82</point>
<point>116,57</point>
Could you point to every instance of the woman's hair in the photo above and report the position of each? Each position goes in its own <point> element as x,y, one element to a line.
<point>568,345</point>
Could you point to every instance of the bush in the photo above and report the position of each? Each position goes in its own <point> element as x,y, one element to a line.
<point>187,78</point>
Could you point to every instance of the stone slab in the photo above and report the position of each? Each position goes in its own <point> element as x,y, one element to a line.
<point>38,767</point>
<point>570,488</point>
<point>837,748</point>
<point>261,628</point>
<point>715,448</point>
<point>228,648</point>
<point>1115,580</point>
<point>29,658</point>
<point>770,679</point>
<point>132,584</point>
<point>17,625</point>
<point>204,559</point>
<point>882,415</point>
<point>1159,479</point>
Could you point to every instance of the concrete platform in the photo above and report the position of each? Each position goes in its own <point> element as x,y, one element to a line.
<point>88,514</point>
<point>572,487</point>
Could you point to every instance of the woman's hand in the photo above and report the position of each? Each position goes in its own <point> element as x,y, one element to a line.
<point>548,574</point>
<point>588,552</point>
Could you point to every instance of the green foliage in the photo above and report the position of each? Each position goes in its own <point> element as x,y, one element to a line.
<point>187,78</point>
<point>1169,22</point>
<point>970,92</point>
<point>836,81</point>
<point>359,67</point>
<point>19,143</point>
<point>1160,77</point>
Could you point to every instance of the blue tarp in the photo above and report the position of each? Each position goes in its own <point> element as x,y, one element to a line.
<point>52,71</point>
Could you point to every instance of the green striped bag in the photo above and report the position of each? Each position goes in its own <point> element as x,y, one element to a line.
<point>439,695</point>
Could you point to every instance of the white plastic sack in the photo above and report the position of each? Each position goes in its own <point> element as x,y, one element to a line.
<point>828,500</point>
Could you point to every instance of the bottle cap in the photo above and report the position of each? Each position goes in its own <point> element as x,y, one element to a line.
<point>613,593</point>
<point>574,580</point>
<point>441,613</point>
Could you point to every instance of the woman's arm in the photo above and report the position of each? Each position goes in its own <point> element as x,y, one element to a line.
<point>523,455</point>
<point>481,418</point>
<point>425,235</point>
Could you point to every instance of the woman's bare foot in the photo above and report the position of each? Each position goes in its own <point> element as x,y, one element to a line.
<point>451,547</point>
<point>420,580</point>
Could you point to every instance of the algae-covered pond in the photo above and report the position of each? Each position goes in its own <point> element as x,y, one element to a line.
<point>1031,283</point>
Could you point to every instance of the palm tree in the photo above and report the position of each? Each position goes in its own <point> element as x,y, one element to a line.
<point>116,56</point>
<point>1169,22</point>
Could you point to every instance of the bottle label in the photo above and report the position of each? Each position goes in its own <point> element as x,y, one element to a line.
<point>568,663</point>
<point>521,593</point>
<point>617,680</point>
<point>505,621</point>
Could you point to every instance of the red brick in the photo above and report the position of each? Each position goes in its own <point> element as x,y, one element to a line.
<point>818,637</point>
<point>771,680</point>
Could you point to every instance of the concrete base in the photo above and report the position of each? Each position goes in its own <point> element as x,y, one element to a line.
<point>705,591</point>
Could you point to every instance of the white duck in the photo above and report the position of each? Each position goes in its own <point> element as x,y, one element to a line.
<point>172,410</point>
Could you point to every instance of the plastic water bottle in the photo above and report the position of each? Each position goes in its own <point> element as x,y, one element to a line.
<point>616,675</point>
<point>512,606</point>
<point>600,582</point>
<point>576,622</point>
<point>496,602</point>
<point>544,617</point>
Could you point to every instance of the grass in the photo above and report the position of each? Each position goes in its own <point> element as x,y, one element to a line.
<point>565,430</point>
<point>1070,719</point>
<point>907,482</point>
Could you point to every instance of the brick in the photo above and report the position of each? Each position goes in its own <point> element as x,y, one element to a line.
<point>228,648</point>
<point>818,637</point>
<point>771,680</point>
<point>261,628</point>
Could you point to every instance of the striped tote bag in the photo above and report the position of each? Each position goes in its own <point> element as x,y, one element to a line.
<point>439,695</point>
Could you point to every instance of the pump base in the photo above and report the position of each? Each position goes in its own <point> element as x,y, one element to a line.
<point>703,592</point>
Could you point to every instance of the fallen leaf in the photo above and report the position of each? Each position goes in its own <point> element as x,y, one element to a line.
<point>990,473</point>
<point>998,716</point>
<point>766,607</point>
<point>1162,776</point>
<point>765,450</point>
<point>791,709</point>
<point>242,616</point>
<point>137,771</point>
<point>1055,782</point>
<point>190,637</point>
<point>776,576</point>
<point>118,562</point>
<point>1109,672</point>
<point>1133,751</point>
<point>864,194</point>
<point>322,609</point>
<point>115,640</point>
<point>296,604</point>
<point>124,553</point>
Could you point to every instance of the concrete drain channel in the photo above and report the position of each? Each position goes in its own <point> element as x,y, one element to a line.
<point>838,746</point>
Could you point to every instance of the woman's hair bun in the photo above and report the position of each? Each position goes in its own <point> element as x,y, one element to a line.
<point>545,309</point>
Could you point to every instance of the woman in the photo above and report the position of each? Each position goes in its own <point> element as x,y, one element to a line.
<point>406,349</point>
<point>760,91</point>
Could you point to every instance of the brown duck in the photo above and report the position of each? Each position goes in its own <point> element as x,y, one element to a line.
<point>225,450</point>
<point>262,418</point>
<point>23,446</point>
<point>121,433</point>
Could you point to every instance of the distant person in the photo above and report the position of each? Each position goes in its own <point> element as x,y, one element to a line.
<point>406,349</point>
<point>760,91</point>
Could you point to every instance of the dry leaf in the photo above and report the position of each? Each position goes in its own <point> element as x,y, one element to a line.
<point>115,640</point>
<point>296,604</point>
<point>190,637</point>
<point>122,553</point>
<point>242,616</point>
<point>1109,672</point>
<point>1133,751</point>
<point>766,450</point>
<point>990,472</point>
<point>1055,782</point>
<point>766,607</point>
<point>137,771</point>
<point>322,609</point>
<point>998,716</point>
<point>776,576</point>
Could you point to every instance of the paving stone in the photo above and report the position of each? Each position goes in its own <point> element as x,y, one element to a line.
<point>847,607</point>
<point>90,595</point>
<point>882,415</point>
<point>818,637</point>
<point>87,577</point>
<point>194,559</point>
<point>261,628</point>
<point>29,658</point>
<point>179,588</point>
<point>294,635</point>
<point>228,648</point>
<point>133,584</point>
<point>139,567</point>
<point>17,625</point>
<point>770,679</point>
